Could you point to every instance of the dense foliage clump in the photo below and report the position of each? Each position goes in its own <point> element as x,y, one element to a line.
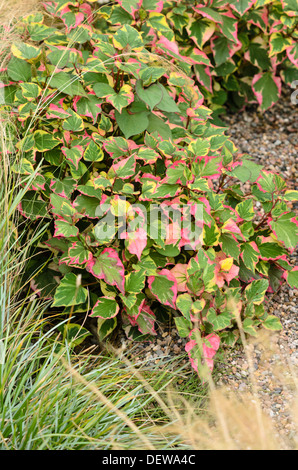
<point>143,196</point>
<point>238,52</point>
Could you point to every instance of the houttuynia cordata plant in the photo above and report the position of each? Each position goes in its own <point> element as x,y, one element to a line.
<point>145,199</point>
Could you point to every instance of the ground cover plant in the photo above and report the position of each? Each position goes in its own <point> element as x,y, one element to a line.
<point>147,207</point>
<point>52,397</point>
<point>238,52</point>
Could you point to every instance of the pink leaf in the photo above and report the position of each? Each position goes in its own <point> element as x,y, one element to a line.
<point>179,272</point>
<point>137,241</point>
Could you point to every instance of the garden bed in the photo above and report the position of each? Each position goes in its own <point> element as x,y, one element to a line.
<point>272,139</point>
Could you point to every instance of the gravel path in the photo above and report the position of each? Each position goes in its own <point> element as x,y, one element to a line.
<point>272,140</point>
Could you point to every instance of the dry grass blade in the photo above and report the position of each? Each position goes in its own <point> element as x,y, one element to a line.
<point>10,10</point>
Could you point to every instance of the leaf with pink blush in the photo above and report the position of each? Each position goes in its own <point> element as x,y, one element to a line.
<point>192,344</point>
<point>225,270</point>
<point>229,26</point>
<point>131,6</point>
<point>267,88</point>
<point>145,320</point>
<point>124,168</point>
<point>241,6</point>
<point>78,254</point>
<point>55,111</point>
<point>64,229</point>
<point>200,354</point>
<point>292,53</point>
<point>136,241</point>
<point>73,154</point>
<point>164,287</point>
<point>210,345</point>
<point>232,227</point>
<point>108,266</point>
<point>209,13</point>
<point>172,49</point>
<point>179,272</point>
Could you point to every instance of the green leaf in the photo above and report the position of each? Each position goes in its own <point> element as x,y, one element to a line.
<point>211,234</point>
<point>183,326</point>
<point>24,167</point>
<point>167,103</point>
<point>241,6</point>
<point>245,209</point>
<point>255,292</point>
<point>65,229</point>
<point>135,282</point>
<point>163,288</point>
<point>74,123</point>
<point>123,169</point>
<point>34,207</point>
<point>266,89</point>
<point>151,95</point>
<point>249,327</point>
<point>30,91</point>
<point>292,278</point>
<point>86,205</point>
<point>26,144</point>
<point>74,334</point>
<point>102,90</point>
<point>67,83</point>
<point>199,184</point>
<point>105,327</point>
<point>156,124</point>
<point>62,57</point>
<point>272,323</point>
<point>127,36</point>
<point>70,292</point>
<point>93,153</point>
<point>78,254</point>
<point>219,322</point>
<point>24,51</point>
<point>286,230</point>
<point>19,70</point>
<point>151,74</point>
<point>73,155</point>
<point>119,15</point>
<point>270,250</point>
<point>158,22</point>
<point>199,147</point>
<point>199,31</point>
<point>132,124</point>
<point>250,255</point>
<point>248,171</point>
<point>44,141</point>
<point>38,32</point>
<point>258,55</point>
<point>107,266</point>
<point>184,304</point>
<point>229,28</point>
<point>87,106</point>
<point>278,43</point>
<point>221,50</point>
<point>62,207</point>
<point>122,99</point>
<point>105,307</point>
<point>291,195</point>
<point>230,246</point>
